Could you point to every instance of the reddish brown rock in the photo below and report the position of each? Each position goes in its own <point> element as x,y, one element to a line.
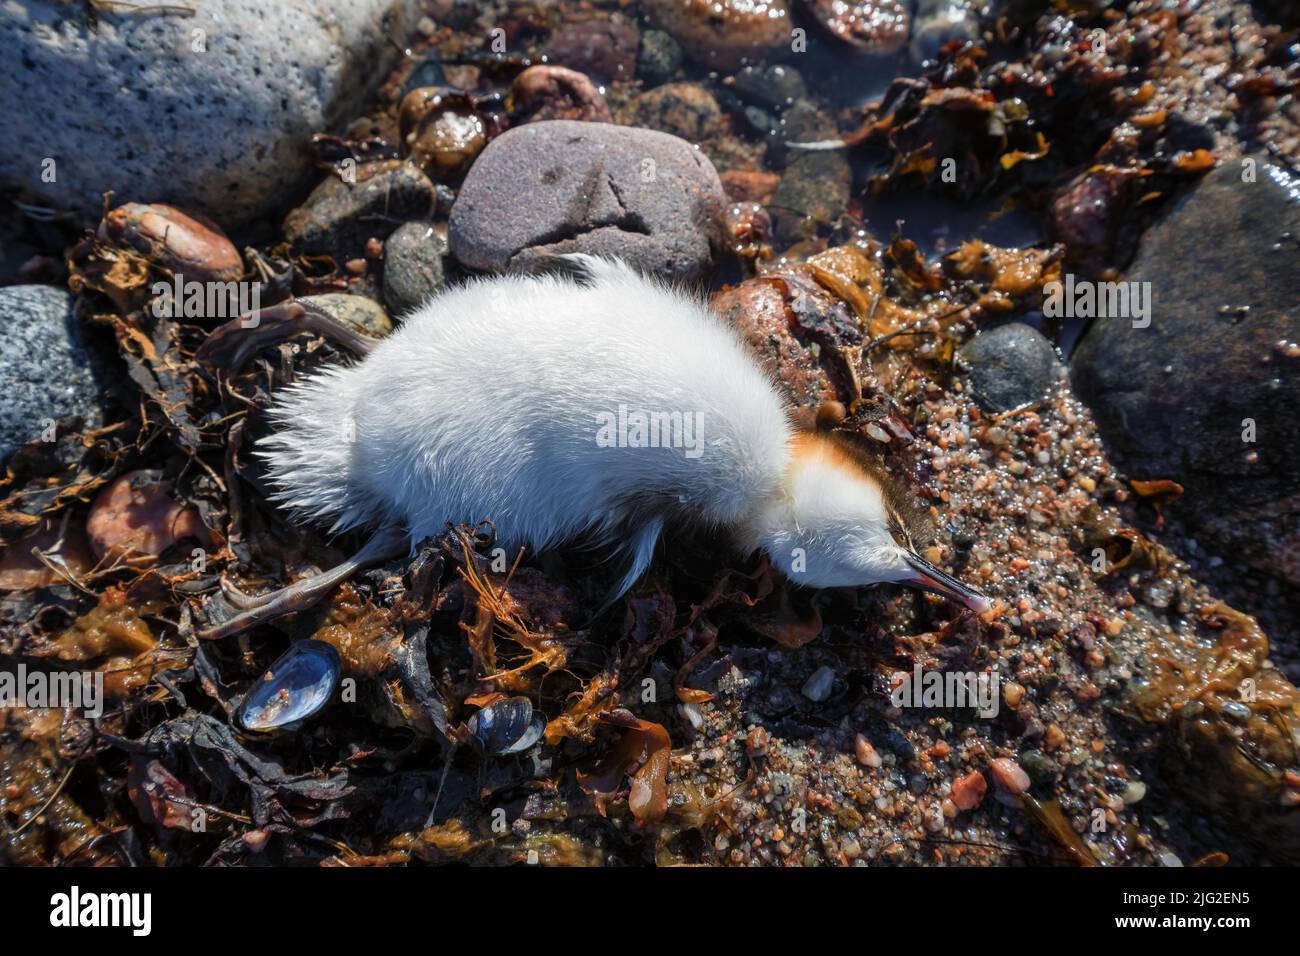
<point>725,33</point>
<point>1009,776</point>
<point>968,791</point>
<point>604,48</point>
<point>136,519</point>
<point>185,243</point>
<point>556,93</point>
<point>872,26</point>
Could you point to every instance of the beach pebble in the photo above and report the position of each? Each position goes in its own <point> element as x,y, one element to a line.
<point>1010,366</point>
<point>188,245</point>
<point>867,755</point>
<point>870,26</point>
<point>136,518</point>
<point>818,686</point>
<point>556,93</point>
<point>363,314</point>
<point>968,791</point>
<point>1203,390</point>
<point>1008,776</point>
<point>660,58</point>
<point>773,87</point>
<point>687,110</point>
<point>641,195</point>
<point>815,186</point>
<point>935,22</point>
<point>604,48</point>
<point>413,269</point>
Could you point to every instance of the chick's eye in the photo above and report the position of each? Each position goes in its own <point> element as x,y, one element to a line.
<point>897,532</point>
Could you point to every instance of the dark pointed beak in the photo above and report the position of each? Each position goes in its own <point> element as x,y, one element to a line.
<point>929,578</point>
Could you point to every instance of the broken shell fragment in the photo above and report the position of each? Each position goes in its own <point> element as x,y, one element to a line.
<point>507,726</point>
<point>296,686</point>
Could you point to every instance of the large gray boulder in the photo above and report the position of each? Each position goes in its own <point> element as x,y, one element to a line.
<point>1218,365</point>
<point>213,110</point>
<point>562,186</point>
<point>47,372</point>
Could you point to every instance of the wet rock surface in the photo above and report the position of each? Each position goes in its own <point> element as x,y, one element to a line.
<point>413,267</point>
<point>686,110</point>
<point>1010,366</point>
<point>660,57</point>
<point>234,91</point>
<point>936,22</point>
<point>725,33</point>
<point>815,185</point>
<point>339,216</point>
<point>1205,395</point>
<point>606,190</point>
<point>47,369</point>
<point>603,49</point>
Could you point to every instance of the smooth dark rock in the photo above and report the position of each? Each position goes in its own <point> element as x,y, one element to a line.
<point>47,371</point>
<point>773,87</point>
<point>1010,366</point>
<point>339,217</point>
<point>1172,399</point>
<point>637,194</point>
<point>815,186</point>
<point>659,59</point>
<point>413,270</point>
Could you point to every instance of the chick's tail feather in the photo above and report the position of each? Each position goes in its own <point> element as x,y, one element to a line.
<point>640,548</point>
<point>310,451</point>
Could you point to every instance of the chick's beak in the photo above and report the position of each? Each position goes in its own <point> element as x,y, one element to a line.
<point>927,577</point>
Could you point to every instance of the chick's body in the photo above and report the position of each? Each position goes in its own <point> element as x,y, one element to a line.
<point>506,399</point>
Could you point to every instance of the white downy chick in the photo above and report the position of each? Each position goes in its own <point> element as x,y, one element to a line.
<point>599,409</point>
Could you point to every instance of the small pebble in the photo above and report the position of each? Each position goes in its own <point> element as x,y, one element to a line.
<point>867,754</point>
<point>818,687</point>
<point>968,791</point>
<point>1009,777</point>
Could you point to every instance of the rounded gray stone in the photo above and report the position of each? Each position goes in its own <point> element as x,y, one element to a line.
<point>1010,366</point>
<point>47,372</point>
<point>413,270</point>
<point>562,186</point>
<point>213,111</point>
<point>660,57</point>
